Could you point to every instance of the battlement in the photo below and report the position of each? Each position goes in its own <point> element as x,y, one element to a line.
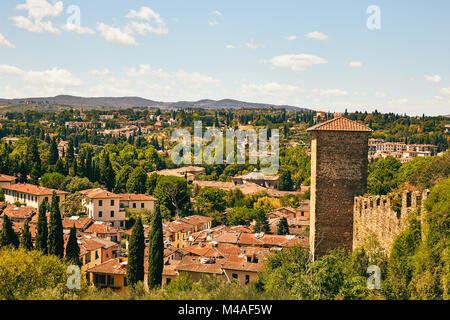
<point>384,216</point>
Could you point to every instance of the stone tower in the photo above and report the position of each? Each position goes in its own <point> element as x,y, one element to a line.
<point>339,160</point>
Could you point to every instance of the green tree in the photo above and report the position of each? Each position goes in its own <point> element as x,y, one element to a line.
<point>8,236</point>
<point>54,154</point>
<point>261,223</point>
<point>283,226</point>
<point>285,181</point>
<point>23,272</point>
<point>211,199</point>
<point>55,242</point>
<point>173,194</point>
<point>42,229</point>
<point>137,181</point>
<point>122,178</point>
<point>136,248</point>
<point>72,248</point>
<point>382,177</point>
<point>107,174</point>
<point>25,241</point>
<point>156,250</point>
<point>53,180</point>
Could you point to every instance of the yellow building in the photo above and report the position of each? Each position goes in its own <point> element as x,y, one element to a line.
<point>110,274</point>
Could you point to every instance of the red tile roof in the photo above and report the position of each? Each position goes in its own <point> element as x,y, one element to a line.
<point>113,266</point>
<point>99,193</point>
<point>19,212</point>
<point>136,197</point>
<point>4,177</point>
<point>32,189</point>
<point>340,124</point>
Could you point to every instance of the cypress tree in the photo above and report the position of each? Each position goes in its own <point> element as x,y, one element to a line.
<point>55,242</point>
<point>72,248</point>
<point>7,235</point>
<point>155,250</point>
<point>25,241</point>
<point>283,226</point>
<point>107,174</point>
<point>54,154</point>
<point>135,266</point>
<point>42,230</point>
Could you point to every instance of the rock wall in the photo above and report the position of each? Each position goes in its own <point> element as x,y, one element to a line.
<point>374,215</point>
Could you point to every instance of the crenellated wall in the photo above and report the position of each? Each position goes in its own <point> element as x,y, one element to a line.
<point>374,215</point>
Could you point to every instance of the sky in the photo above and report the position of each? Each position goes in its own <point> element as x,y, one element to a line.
<point>392,56</point>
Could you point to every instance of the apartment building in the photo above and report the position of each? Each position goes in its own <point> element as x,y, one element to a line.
<point>31,195</point>
<point>102,205</point>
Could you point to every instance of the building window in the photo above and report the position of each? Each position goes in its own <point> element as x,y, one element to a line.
<point>134,205</point>
<point>100,214</point>
<point>100,203</point>
<point>247,279</point>
<point>99,279</point>
<point>96,255</point>
<point>142,205</point>
<point>168,280</point>
<point>125,282</point>
<point>112,202</point>
<point>110,280</point>
<point>235,276</point>
<point>112,214</point>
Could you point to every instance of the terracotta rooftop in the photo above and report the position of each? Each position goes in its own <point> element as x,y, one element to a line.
<point>101,228</point>
<point>80,223</point>
<point>19,212</point>
<point>99,193</point>
<point>4,177</point>
<point>340,124</point>
<point>32,189</point>
<point>136,197</point>
<point>113,266</point>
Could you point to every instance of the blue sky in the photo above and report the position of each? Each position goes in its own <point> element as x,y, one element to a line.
<point>316,54</point>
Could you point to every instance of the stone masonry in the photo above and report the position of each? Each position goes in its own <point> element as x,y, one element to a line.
<point>339,161</point>
<point>373,215</point>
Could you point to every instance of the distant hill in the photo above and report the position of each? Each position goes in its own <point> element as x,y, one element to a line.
<point>136,102</point>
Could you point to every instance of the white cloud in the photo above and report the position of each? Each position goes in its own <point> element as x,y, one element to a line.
<point>252,45</point>
<point>434,79</point>
<point>99,73</point>
<point>291,38</point>
<point>11,70</point>
<point>355,64</point>
<point>217,13</point>
<point>316,35</point>
<point>194,79</point>
<point>51,81</point>
<point>398,102</point>
<point>330,92</point>
<point>116,35</point>
<point>296,62</point>
<point>230,46</point>
<point>445,91</point>
<point>5,43</point>
<point>380,94</point>
<point>272,89</point>
<point>77,29</point>
<point>155,23</point>
<point>145,28</point>
<point>213,23</point>
<point>37,11</point>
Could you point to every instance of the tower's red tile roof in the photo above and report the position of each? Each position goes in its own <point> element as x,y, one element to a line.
<point>340,124</point>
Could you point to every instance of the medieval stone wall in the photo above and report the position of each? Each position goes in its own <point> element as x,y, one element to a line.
<point>374,215</point>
